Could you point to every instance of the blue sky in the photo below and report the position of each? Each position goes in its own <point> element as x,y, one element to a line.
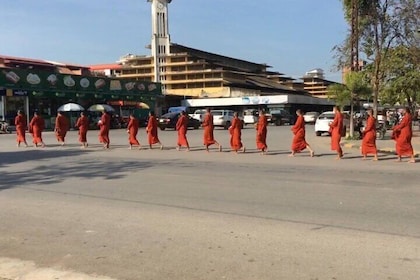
<point>292,36</point>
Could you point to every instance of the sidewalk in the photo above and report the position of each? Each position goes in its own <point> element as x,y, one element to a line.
<point>387,145</point>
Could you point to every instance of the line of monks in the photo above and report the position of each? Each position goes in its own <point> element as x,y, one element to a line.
<point>402,133</point>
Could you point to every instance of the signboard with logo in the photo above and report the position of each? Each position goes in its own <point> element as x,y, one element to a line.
<point>36,80</point>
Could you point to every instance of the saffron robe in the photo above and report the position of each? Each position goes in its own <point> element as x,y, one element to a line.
<point>403,134</point>
<point>299,143</point>
<point>62,125</point>
<point>182,127</point>
<point>133,128</point>
<point>20,123</point>
<point>83,125</point>
<point>104,127</point>
<point>336,131</point>
<point>262,133</point>
<point>36,127</point>
<point>235,134</point>
<point>369,137</point>
<point>152,131</point>
<point>208,137</point>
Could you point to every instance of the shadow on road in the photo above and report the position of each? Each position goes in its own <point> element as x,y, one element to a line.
<point>47,173</point>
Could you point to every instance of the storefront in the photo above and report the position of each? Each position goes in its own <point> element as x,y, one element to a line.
<point>32,90</point>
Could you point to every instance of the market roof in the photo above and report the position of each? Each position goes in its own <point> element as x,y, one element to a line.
<point>6,59</point>
<point>109,66</point>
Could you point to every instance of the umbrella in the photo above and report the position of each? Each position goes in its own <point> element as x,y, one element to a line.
<point>100,108</point>
<point>143,105</point>
<point>70,107</point>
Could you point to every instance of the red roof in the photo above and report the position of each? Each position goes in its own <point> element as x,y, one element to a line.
<point>111,66</point>
<point>24,60</point>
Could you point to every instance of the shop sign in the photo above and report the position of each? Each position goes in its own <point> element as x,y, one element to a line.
<point>19,92</point>
<point>36,80</point>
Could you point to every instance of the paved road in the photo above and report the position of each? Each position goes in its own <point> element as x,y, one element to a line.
<point>154,214</point>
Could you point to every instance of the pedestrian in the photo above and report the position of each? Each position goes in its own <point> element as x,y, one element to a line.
<point>62,125</point>
<point>21,124</point>
<point>152,131</point>
<point>299,142</point>
<point>36,127</point>
<point>182,128</point>
<point>262,133</point>
<point>132,130</point>
<point>369,137</point>
<point>83,124</point>
<point>209,131</point>
<point>402,134</point>
<point>235,134</point>
<point>104,126</point>
<point>336,130</point>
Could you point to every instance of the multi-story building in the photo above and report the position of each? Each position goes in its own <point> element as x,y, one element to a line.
<point>315,83</point>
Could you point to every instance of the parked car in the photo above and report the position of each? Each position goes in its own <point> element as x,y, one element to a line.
<point>281,117</point>
<point>222,118</point>
<point>250,116</point>
<point>310,117</point>
<point>322,124</point>
<point>198,115</point>
<point>169,120</point>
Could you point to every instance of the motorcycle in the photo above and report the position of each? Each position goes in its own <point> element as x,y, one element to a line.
<point>4,127</point>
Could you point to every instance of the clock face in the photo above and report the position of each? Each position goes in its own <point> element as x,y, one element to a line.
<point>160,6</point>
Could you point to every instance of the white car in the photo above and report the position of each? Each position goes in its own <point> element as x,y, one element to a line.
<point>322,124</point>
<point>250,116</point>
<point>198,115</point>
<point>222,118</point>
<point>310,117</point>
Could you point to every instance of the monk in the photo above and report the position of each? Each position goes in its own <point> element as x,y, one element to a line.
<point>369,137</point>
<point>182,128</point>
<point>36,126</point>
<point>262,133</point>
<point>152,131</point>
<point>104,126</point>
<point>336,130</point>
<point>208,131</point>
<point>132,130</point>
<point>62,125</point>
<point>235,134</point>
<point>20,123</point>
<point>402,135</point>
<point>83,125</point>
<point>299,142</point>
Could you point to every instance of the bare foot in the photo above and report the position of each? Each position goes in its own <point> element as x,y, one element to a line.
<point>291,155</point>
<point>243,149</point>
<point>375,159</point>
<point>220,148</point>
<point>364,158</point>
<point>161,147</point>
<point>412,161</point>
<point>312,153</point>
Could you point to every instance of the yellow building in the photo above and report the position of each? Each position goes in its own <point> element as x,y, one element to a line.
<point>315,84</point>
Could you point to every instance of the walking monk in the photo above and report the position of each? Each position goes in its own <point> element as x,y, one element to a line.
<point>336,129</point>
<point>104,126</point>
<point>62,125</point>
<point>36,126</point>
<point>20,123</point>
<point>369,137</point>
<point>182,128</point>
<point>402,133</point>
<point>132,130</point>
<point>299,142</point>
<point>152,131</point>
<point>235,134</point>
<point>83,125</point>
<point>208,131</point>
<point>262,133</point>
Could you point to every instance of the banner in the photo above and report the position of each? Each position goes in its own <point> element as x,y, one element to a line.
<point>37,80</point>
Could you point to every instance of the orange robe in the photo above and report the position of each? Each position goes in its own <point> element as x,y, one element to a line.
<point>133,128</point>
<point>208,138</point>
<point>182,127</point>
<point>83,125</point>
<point>20,123</point>
<point>235,134</point>
<point>36,127</point>
<point>299,143</point>
<point>104,127</point>
<point>403,134</point>
<point>152,131</point>
<point>262,133</point>
<point>336,128</point>
<point>62,125</point>
<point>369,137</point>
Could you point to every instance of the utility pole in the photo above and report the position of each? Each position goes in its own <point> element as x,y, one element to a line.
<point>354,55</point>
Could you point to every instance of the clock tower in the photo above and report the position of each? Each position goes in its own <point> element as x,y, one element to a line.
<point>160,35</point>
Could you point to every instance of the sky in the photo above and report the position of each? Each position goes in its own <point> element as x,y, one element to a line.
<point>292,36</point>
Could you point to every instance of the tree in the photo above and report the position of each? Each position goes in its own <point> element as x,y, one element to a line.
<point>356,87</point>
<point>382,26</point>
